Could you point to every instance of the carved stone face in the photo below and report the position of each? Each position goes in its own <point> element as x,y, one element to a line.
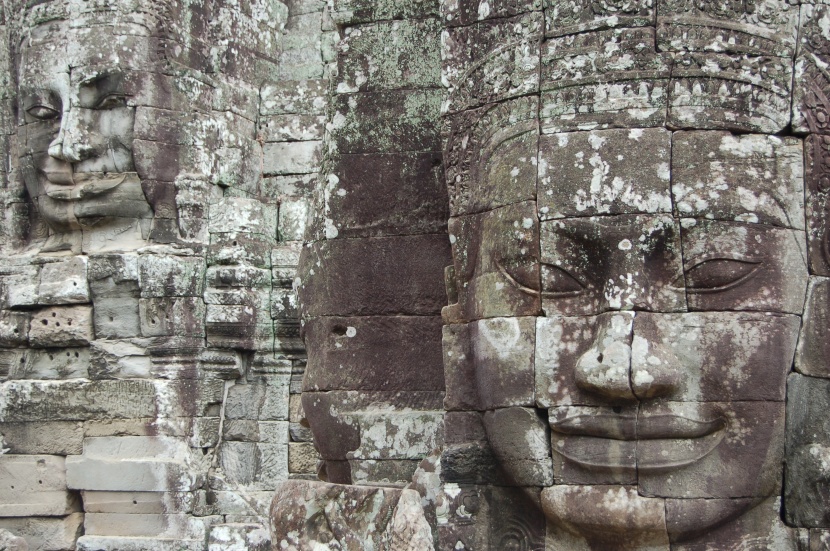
<point>77,135</point>
<point>631,329</point>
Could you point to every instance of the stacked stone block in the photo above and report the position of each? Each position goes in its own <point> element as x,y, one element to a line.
<point>145,385</point>
<point>373,388</point>
<point>573,132</point>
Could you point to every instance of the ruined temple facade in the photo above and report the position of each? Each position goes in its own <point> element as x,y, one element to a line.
<point>485,275</point>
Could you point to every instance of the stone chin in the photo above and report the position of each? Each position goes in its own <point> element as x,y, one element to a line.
<point>97,213</point>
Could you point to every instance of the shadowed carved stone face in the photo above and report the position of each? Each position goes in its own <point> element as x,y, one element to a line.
<point>77,136</point>
<point>631,312</point>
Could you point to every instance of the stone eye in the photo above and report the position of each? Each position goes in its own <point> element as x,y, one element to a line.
<point>42,112</point>
<point>111,101</point>
<point>719,274</point>
<point>558,282</point>
<point>522,273</point>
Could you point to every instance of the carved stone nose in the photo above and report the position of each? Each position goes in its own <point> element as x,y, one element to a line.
<point>654,369</point>
<point>72,143</point>
<point>605,368</point>
<point>623,367</point>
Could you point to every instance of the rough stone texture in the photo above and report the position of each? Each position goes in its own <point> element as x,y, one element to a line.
<point>381,260</point>
<point>622,91</point>
<point>632,263</point>
<point>46,533</point>
<point>595,264</point>
<point>602,172</point>
<point>817,185</point>
<point>350,517</point>
<point>716,175</point>
<point>811,354</point>
<point>10,542</point>
<point>771,262</point>
<point>374,353</point>
<point>806,492</point>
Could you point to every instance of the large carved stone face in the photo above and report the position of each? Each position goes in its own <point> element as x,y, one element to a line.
<point>631,300</point>
<point>77,133</point>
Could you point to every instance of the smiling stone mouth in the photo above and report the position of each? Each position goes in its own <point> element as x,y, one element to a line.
<point>658,442</point>
<point>85,186</point>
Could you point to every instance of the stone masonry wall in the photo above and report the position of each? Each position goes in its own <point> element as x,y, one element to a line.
<point>149,398</point>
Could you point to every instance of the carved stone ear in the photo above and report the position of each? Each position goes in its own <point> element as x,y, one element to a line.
<point>817,176</point>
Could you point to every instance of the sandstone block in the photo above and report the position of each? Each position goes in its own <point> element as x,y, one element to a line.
<point>237,214</point>
<point>146,525</point>
<point>302,458</point>
<point>388,121</point>
<point>262,401</point>
<point>256,466</point>
<point>813,347</point>
<point>46,533</point>
<point>523,443</point>
<point>362,11</point>
<point>577,255</point>
<point>504,350</point>
<point>490,155</point>
<point>159,317</point>
<point>806,491</point>
<point>10,542</point>
<point>145,503</point>
<point>14,328</point>
<point>398,435</point>
<point>817,183</point>
<point>116,317</point>
<point>495,264</point>
<point>292,157</point>
<point>96,543</point>
<point>366,347</point>
<point>250,537</point>
<point>292,128</point>
<point>388,55</point>
<point>729,467</point>
<point>129,399</point>
<point>35,486</point>
<point>304,97</point>
<point>779,279</point>
<point>407,276</point>
<point>134,463</point>
<point>604,172</point>
<point>64,282</point>
<point>54,363</point>
<point>751,178</point>
<point>385,517</point>
<point>47,437</point>
<point>361,187</point>
<point>61,326</point>
<point>119,359</point>
<point>513,73</point>
<point>735,91</point>
<point>607,97</point>
<point>162,275</point>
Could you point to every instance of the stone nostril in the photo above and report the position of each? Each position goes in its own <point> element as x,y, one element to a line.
<point>600,358</point>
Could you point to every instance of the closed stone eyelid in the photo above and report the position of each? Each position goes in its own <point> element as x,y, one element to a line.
<point>542,293</point>
<point>755,265</point>
<point>513,281</point>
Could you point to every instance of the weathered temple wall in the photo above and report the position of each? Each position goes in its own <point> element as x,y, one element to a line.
<point>150,390</point>
<point>416,274</point>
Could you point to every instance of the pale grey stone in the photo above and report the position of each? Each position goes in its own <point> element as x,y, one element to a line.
<point>35,486</point>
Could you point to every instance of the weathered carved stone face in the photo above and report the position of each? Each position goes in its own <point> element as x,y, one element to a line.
<point>77,135</point>
<point>631,329</point>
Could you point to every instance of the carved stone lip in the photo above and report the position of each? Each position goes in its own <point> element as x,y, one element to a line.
<point>660,442</point>
<point>628,427</point>
<point>85,185</point>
